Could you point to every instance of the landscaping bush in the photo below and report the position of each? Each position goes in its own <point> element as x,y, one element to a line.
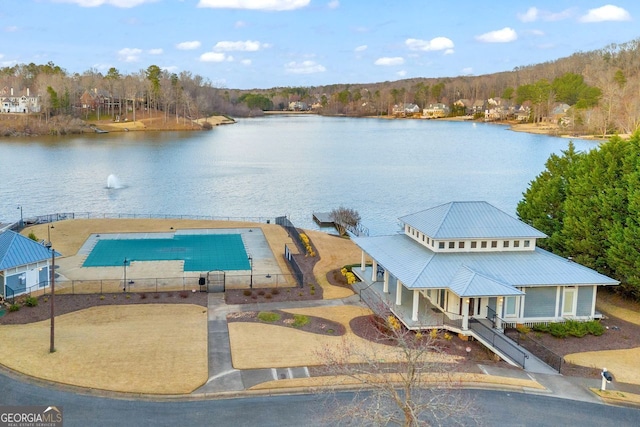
<point>275,291</point>
<point>571,327</point>
<point>247,293</point>
<point>31,301</point>
<point>184,294</point>
<point>268,316</point>
<point>14,307</point>
<point>299,320</point>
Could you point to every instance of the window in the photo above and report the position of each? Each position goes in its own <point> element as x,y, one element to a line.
<point>526,243</point>
<point>483,245</point>
<point>452,245</point>
<point>510,307</point>
<point>505,244</point>
<point>569,303</point>
<point>427,240</point>
<point>494,243</point>
<point>423,237</point>
<point>473,245</point>
<point>418,235</point>
<point>460,245</point>
<point>516,243</point>
<point>441,245</point>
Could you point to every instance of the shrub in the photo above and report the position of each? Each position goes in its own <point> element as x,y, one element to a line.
<point>14,307</point>
<point>433,334</point>
<point>183,294</point>
<point>268,296</point>
<point>247,292</point>
<point>268,316</point>
<point>143,296</point>
<point>260,292</point>
<point>33,237</point>
<point>595,328</point>
<point>523,329</point>
<point>101,297</point>
<point>128,296</point>
<point>276,291</point>
<point>299,320</point>
<point>31,301</point>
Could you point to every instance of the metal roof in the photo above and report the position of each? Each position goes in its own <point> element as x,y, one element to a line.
<point>475,273</point>
<point>469,220</point>
<point>17,250</point>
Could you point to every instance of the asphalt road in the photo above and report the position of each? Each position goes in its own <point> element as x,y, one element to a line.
<point>495,408</point>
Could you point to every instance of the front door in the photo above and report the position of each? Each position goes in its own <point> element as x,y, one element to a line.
<point>472,304</point>
<point>569,302</point>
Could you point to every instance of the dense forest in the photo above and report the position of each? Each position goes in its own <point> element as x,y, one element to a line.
<point>602,88</point>
<point>589,206</point>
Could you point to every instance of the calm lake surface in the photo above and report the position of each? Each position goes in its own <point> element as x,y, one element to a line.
<point>284,165</point>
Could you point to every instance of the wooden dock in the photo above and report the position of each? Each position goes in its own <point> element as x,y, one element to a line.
<point>323,219</point>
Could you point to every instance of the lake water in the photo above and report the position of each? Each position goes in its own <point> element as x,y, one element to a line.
<point>284,165</point>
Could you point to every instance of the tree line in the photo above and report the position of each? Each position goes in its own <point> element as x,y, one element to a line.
<point>588,203</point>
<point>602,87</point>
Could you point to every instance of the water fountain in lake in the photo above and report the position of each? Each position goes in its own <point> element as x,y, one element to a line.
<point>113,182</point>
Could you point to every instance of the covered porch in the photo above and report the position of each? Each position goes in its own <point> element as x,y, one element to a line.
<point>382,292</point>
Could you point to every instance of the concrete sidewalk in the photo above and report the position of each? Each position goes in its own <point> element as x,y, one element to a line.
<point>223,378</point>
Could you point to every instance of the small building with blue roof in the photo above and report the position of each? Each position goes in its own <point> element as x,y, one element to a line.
<point>462,262</point>
<point>25,265</point>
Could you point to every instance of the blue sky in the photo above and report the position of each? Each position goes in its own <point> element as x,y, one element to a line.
<point>244,44</point>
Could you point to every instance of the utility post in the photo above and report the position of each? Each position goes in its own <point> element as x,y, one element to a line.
<point>52,347</point>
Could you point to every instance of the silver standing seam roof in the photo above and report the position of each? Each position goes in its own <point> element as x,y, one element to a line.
<point>473,274</point>
<point>17,250</point>
<point>480,220</point>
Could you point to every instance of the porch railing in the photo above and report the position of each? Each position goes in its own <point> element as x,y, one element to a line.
<point>499,342</point>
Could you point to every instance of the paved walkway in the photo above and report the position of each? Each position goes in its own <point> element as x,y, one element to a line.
<point>224,378</point>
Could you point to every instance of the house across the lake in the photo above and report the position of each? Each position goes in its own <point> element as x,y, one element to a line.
<point>466,264</point>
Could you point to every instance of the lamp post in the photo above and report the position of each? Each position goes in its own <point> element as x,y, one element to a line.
<point>124,282</point>
<point>52,347</point>
<point>21,220</point>
<point>49,227</point>
<point>251,277</point>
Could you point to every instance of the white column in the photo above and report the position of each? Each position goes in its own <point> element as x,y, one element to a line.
<point>374,271</point>
<point>465,314</point>
<point>593,302</point>
<point>416,304</point>
<point>362,263</point>
<point>385,287</point>
<point>558,294</point>
<point>499,313</point>
<point>398,292</point>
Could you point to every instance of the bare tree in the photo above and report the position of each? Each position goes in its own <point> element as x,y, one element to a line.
<point>344,219</point>
<point>408,383</point>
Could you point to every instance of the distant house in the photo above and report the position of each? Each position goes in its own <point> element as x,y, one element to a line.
<point>298,106</point>
<point>478,106</point>
<point>405,110</point>
<point>435,111</point>
<point>19,104</point>
<point>465,262</point>
<point>25,265</point>
<point>522,113</point>
<point>88,101</point>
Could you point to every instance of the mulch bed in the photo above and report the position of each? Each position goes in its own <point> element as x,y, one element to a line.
<point>618,335</point>
<point>70,303</point>
<point>316,325</point>
<point>266,295</point>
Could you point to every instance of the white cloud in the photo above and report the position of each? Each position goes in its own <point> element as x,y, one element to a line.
<point>240,24</point>
<point>191,45</point>
<point>361,48</point>
<point>467,70</point>
<point>531,15</point>
<point>534,14</point>
<point>246,62</point>
<point>277,5</point>
<point>504,35</point>
<point>438,43</point>
<point>116,3</point>
<point>333,4</point>
<point>449,52</point>
<point>155,51</point>
<point>401,73</point>
<point>608,12</point>
<point>390,61</point>
<point>536,32</point>
<point>129,54</point>
<point>246,46</point>
<point>304,67</point>
<point>170,68</point>
<point>11,29</point>
<point>213,57</point>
